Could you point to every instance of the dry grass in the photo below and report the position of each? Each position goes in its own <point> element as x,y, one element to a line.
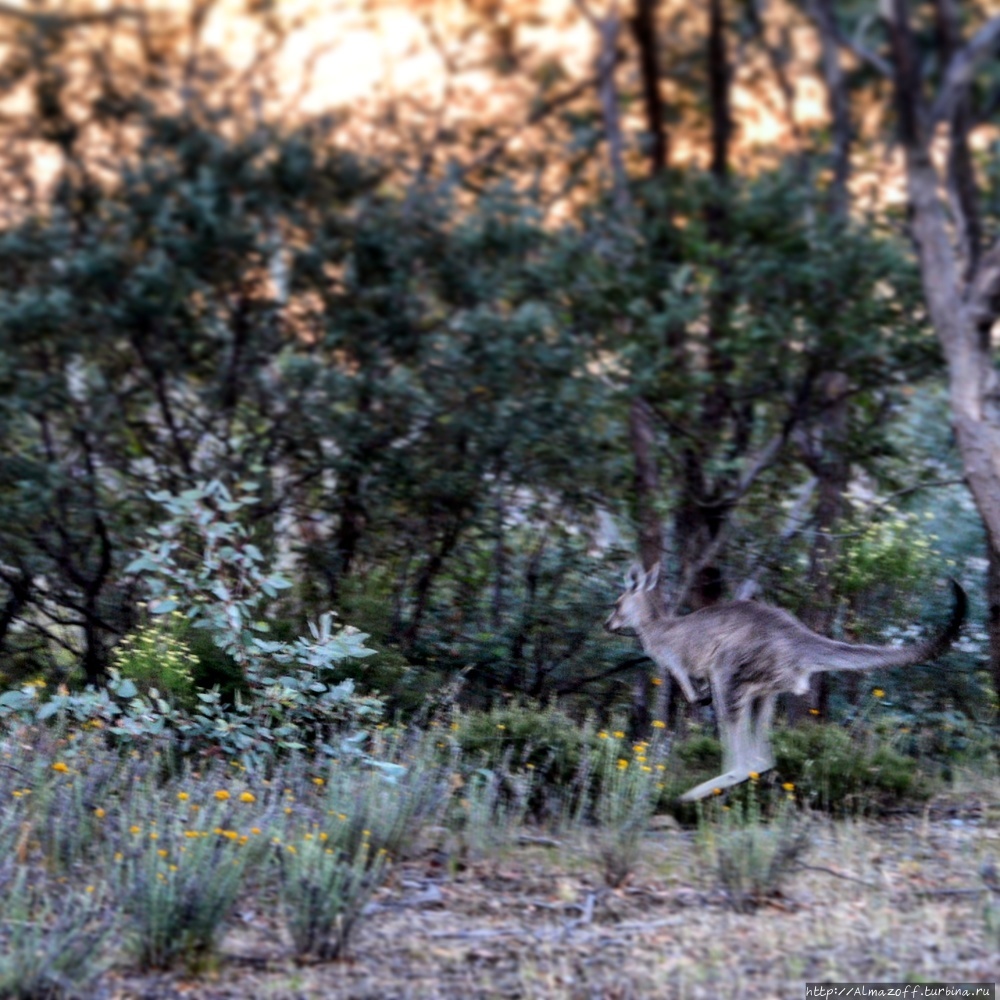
<point>890,900</point>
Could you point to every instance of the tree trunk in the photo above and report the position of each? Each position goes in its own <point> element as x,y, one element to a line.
<point>832,471</point>
<point>644,30</point>
<point>961,311</point>
<point>699,517</point>
<point>993,618</point>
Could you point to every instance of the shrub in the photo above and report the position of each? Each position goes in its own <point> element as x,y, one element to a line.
<point>751,857</point>
<point>831,768</point>
<point>52,944</point>
<point>838,769</point>
<point>385,805</point>
<point>523,737</point>
<point>179,882</point>
<point>488,808</point>
<point>325,885</point>
<point>158,661</point>
<point>627,792</point>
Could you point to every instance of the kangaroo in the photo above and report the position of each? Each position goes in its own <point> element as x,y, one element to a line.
<point>750,653</point>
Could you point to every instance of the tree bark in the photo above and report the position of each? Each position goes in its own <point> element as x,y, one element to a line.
<point>828,463</point>
<point>962,188</point>
<point>962,311</point>
<point>644,30</point>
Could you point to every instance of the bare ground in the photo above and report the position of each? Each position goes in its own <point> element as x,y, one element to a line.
<point>890,900</point>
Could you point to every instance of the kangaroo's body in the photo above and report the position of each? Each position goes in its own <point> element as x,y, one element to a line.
<point>750,653</point>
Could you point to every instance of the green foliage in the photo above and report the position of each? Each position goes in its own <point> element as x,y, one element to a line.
<point>384,804</point>
<point>157,660</point>
<point>838,769</point>
<point>889,554</point>
<point>752,857</point>
<point>540,738</point>
<point>179,879</point>
<point>830,767</point>
<point>489,811</point>
<point>52,943</point>
<point>626,795</point>
<point>324,889</point>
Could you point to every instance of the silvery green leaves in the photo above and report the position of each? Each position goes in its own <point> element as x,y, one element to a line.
<point>202,560</point>
<point>201,563</point>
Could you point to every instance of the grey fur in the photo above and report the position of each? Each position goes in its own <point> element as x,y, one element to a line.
<point>750,653</point>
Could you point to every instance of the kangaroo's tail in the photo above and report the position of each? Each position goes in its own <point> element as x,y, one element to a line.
<point>846,656</point>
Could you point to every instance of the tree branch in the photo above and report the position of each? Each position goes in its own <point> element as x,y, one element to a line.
<point>962,68</point>
<point>608,28</point>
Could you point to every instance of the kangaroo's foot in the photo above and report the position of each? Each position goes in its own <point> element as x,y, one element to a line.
<point>727,780</point>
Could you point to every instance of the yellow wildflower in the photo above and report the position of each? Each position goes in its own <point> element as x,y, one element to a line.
<point>183,796</point>
<point>248,797</point>
<point>659,724</point>
<point>619,735</point>
<point>99,813</point>
<point>222,795</point>
<point>788,786</point>
<point>878,693</point>
<point>60,767</point>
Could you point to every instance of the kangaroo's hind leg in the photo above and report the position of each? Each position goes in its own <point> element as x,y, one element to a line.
<point>736,734</point>
<point>762,713</point>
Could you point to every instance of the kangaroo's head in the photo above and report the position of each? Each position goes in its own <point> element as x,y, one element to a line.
<point>632,608</point>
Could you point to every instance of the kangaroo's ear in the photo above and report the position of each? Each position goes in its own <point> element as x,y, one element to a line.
<point>652,579</point>
<point>633,577</point>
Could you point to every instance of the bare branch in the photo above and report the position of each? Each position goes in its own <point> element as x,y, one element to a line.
<point>793,525</point>
<point>608,29</point>
<point>538,114</point>
<point>963,67</point>
<point>838,102</point>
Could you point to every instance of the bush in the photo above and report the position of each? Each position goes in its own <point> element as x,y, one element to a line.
<point>325,885</point>
<point>627,789</point>
<point>752,857</point>
<point>52,943</point>
<point>180,879</point>
<point>839,770</point>
<point>158,661</point>
<point>386,808</point>
<point>830,768</point>
<point>526,736</point>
